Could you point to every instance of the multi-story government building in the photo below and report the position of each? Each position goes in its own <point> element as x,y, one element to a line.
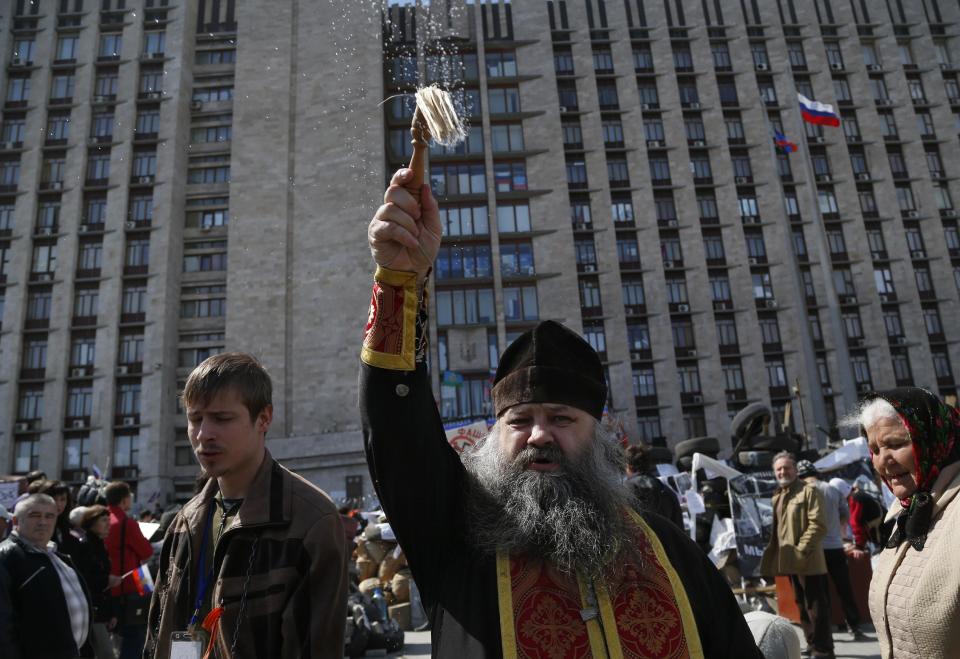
<point>179,178</point>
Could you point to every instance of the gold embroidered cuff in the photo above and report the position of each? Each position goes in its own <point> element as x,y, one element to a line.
<point>390,336</point>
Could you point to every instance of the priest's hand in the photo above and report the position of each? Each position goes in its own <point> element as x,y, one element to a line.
<point>404,234</point>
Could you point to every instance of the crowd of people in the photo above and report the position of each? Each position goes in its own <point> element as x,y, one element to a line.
<point>67,583</point>
<point>546,538</point>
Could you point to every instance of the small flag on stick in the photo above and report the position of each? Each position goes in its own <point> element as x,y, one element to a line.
<point>142,580</point>
<point>782,143</point>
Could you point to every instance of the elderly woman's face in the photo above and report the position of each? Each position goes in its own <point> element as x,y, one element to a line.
<point>892,455</point>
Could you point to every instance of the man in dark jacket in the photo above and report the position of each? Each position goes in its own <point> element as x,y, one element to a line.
<point>649,492</point>
<point>255,564</point>
<point>45,608</point>
<point>527,547</point>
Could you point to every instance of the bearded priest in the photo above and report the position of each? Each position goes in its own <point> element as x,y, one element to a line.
<point>527,544</point>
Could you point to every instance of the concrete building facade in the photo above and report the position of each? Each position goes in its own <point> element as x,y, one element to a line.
<point>177,179</point>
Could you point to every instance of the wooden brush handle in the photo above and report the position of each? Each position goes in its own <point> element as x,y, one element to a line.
<point>417,164</point>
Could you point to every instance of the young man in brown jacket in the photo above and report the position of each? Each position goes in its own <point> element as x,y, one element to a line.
<point>255,565</point>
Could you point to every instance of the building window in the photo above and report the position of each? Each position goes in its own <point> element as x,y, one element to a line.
<point>85,303</point>
<point>503,100</point>
<point>506,137</point>
<point>102,125</point>
<point>633,292</point>
<point>209,175</point>
<point>468,220</point>
<point>148,122</point>
<point>648,426</point>
<point>18,90</point>
<point>644,383</point>
<point>590,294</point>
<point>82,351</point>
<point>154,43</point>
<point>689,377</point>
<point>126,451</point>
<point>79,401</point>
<point>883,278</point>
<point>595,336</point>
<point>455,179</point>
<point>463,262</point>
<point>66,49</point>
<point>516,259</point>
<point>30,406</point>
<point>721,55</point>
<point>676,291</point>
<point>137,253</point>
<point>131,349</point>
<point>58,127</point>
<point>776,373</point>
<point>621,210</point>
<point>941,365</point>
<point>110,45</point>
<point>44,259</point>
<point>649,98</point>
<point>762,285</point>
<point>62,87</point>
<point>134,300</point>
<point>642,59</point>
<point>465,306</point>
<point>105,85</point>
<point>510,176</point>
<point>213,94</point>
<point>638,336</point>
<point>35,353</point>
<point>206,308</point>
<point>520,303</point>
<point>76,453</point>
<point>501,64</point>
<point>145,163</point>
<point>26,456</point>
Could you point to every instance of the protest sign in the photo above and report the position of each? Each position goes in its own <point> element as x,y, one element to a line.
<point>752,511</point>
<point>9,491</point>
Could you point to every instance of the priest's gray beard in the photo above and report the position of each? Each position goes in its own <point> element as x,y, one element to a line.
<point>573,517</point>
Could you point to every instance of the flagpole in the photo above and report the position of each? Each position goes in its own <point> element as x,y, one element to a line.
<point>809,352</point>
<point>847,386</point>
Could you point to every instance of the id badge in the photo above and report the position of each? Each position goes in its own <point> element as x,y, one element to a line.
<point>183,646</point>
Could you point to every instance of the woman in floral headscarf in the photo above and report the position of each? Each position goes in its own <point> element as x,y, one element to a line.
<point>914,442</point>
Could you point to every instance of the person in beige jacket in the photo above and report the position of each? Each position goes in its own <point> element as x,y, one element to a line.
<point>914,601</point>
<point>796,550</point>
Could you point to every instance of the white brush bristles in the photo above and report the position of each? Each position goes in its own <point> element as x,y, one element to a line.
<point>436,108</point>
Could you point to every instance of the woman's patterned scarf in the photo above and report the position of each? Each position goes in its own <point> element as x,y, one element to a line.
<point>934,430</point>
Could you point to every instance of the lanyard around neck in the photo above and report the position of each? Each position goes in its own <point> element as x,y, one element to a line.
<point>205,575</point>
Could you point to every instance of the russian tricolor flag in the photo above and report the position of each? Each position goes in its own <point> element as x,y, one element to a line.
<point>817,113</point>
<point>142,580</point>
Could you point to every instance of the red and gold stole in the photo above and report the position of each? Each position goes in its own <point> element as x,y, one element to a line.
<point>545,614</point>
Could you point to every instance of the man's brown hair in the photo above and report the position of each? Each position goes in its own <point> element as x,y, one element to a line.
<point>116,492</point>
<point>230,370</point>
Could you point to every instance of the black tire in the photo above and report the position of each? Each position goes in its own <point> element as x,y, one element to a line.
<point>777,443</point>
<point>685,463</point>
<point>659,455</point>
<point>755,460</point>
<point>749,421</point>
<point>706,445</point>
